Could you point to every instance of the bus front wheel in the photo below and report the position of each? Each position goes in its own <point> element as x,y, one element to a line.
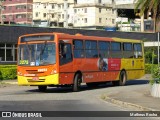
<point>77,83</point>
<point>42,88</point>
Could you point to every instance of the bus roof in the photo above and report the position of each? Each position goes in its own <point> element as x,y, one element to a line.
<point>80,36</point>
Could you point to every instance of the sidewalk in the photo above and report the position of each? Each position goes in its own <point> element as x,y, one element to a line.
<point>137,97</point>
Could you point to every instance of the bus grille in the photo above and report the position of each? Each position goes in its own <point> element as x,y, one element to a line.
<point>31,80</point>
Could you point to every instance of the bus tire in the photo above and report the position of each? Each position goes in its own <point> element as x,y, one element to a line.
<point>42,88</point>
<point>77,83</point>
<point>122,79</point>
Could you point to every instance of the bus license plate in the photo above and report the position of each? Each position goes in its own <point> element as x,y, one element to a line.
<point>35,78</point>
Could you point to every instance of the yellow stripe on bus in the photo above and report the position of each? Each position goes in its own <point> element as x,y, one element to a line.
<point>46,80</point>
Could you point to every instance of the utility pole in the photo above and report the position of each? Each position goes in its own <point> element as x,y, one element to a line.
<point>142,23</point>
<point>158,49</point>
<point>65,14</point>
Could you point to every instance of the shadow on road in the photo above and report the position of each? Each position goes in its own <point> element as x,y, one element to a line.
<point>85,88</point>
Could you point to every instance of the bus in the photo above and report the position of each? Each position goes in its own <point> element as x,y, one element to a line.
<point>60,59</point>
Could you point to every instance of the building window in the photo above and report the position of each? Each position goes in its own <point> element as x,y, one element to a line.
<point>44,5</point>
<point>100,10</point>
<point>21,16</point>
<point>59,6</point>
<point>10,7</point>
<point>52,6</point>
<point>36,14</point>
<point>99,1</point>
<point>113,21</point>
<point>44,14</point>
<point>18,7</point>
<point>75,10</point>
<point>59,16</point>
<point>100,20</point>
<point>8,52</point>
<point>30,7</point>
<point>112,11</point>
<point>85,10</point>
<point>85,20</point>
<point>52,15</point>
<point>62,15</point>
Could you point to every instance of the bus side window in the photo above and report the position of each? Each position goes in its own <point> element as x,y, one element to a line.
<point>65,53</point>
<point>91,50</point>
<point>116,51</point>
<point>138,50</point>
<point>128,50</point>
<point>78,49</point>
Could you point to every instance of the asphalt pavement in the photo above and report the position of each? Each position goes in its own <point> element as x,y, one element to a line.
<point>138,98</point>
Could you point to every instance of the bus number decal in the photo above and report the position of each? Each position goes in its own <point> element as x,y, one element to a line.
<point>23,62</point>
<point>42,70</point>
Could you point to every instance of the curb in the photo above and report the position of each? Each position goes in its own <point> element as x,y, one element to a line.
<point>9,82</point>
<point>13,83</point>
<point>126,104</point>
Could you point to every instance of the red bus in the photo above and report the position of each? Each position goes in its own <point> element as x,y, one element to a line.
<point>58,59</point>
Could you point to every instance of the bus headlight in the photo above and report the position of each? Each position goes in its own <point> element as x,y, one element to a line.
<point>19,73</point>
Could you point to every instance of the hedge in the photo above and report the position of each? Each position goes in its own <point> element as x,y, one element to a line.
<point>8,72</point>
<point>148,68</point>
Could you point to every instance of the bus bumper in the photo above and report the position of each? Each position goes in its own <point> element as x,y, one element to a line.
<point>44,80</point>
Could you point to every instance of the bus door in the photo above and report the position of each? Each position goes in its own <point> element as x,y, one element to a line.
<point>65,62</point>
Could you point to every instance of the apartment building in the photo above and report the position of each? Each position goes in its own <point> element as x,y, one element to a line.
<point>94,14</point>
<point>17,11</point>
<point>52,12</point>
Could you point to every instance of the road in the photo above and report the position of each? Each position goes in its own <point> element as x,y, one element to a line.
<point>27,98</point>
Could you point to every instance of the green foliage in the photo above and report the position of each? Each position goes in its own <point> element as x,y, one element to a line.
<point>148,68</point>
<point>148,53</point>
<point>155,75</point>
<point>8,72</point>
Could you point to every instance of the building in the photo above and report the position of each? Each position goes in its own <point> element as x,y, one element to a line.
<point>52,12</point>
<point>94,14</point>
<point>17,11</point>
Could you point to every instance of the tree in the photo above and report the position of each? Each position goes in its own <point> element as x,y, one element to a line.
<point>148,6</point>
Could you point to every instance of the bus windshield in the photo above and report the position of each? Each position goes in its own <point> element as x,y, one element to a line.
<point>36,54</point>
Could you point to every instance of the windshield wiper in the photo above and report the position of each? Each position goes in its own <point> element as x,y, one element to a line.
<point>42,51</point>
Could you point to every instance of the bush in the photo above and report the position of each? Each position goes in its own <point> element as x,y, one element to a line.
<point>148,68</point>
<point>8,72</point>
<point>155,75</point>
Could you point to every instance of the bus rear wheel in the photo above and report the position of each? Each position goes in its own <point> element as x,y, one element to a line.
<point>122,79</point>
<point>42,88</point>
<point>77,83</point>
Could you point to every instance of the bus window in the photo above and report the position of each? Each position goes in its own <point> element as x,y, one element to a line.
<point>137,50</point>
<point>91,49</point>
<point>103,49</point>
<point>78,49</point>
<point>127,50</point>
<point>116,50</point>
<point>65,53</point>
